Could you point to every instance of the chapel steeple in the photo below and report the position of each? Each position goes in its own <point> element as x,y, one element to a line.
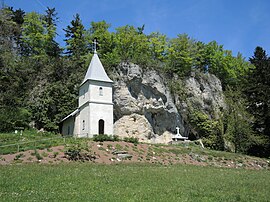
<point>96,70</point>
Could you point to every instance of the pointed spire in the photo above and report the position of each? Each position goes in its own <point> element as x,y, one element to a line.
<point>96,70</point>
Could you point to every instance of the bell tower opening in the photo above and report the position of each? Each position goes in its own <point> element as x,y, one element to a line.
<point>101,126</point>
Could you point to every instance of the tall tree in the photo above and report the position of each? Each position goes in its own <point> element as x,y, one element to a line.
<point>238,122</point>
<point>75,40</point>
<point>258,90</point>
<point>11,80</point>
<point>50,18</point>
<point>34,34</point>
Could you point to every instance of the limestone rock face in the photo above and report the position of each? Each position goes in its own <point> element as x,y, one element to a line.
<point>143,93</point>
<point>204,91</point>
<point>145,108</point>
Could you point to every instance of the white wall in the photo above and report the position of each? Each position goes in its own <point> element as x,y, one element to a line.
<point>68,126</point>
<point>84,93</point>
<point>104,112</point>
<point>94,89</point>
<point>84,129</point>
<point>94,105</point>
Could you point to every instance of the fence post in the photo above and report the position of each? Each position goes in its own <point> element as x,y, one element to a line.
<point>18,148</point>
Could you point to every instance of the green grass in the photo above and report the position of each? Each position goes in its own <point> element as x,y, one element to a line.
<point>31,140</point>
<point>91,182</point>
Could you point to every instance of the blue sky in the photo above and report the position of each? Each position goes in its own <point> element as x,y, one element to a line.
<point>239,25</point>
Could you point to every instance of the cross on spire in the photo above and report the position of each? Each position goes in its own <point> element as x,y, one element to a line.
<point>95,45</point>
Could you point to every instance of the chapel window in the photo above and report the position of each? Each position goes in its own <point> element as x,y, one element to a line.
<point>100,91</point>
<point>83,125</point>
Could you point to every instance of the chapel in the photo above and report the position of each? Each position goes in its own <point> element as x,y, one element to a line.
<point>94,114</point>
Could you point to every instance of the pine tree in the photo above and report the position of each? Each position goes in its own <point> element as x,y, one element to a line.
<point>75,39</point>
<point>258,91</point>
<point>52,47</point>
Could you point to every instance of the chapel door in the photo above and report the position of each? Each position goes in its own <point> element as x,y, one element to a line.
<point>101,126</point>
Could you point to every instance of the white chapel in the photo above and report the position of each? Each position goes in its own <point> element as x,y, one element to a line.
<point>94,114</point>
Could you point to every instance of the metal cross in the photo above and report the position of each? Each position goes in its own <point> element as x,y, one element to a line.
<point>95,45</point>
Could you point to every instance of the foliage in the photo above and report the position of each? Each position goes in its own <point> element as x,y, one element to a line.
<point>207,129</point>
<point>104,137</point>
<point>79,152</point>
<point>75,40</point>
<point>133,140</point>
<point>257,89</point>
<point>238,122</point>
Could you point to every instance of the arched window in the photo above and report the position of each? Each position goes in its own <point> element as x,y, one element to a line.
<point>101,124</point>
<point>100,91</point>
<point>68,130</point>
<point>84,93</point>
<point>83,125</point>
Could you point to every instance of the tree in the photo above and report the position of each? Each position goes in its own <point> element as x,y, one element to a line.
<point>258,91</point>
<point>131,45</point>
<point>51,46</point>
<point>34,35</point>
<point>181,54</point>
<point>11,80</point>
<point>158,44</point>
<point>106,43</point>
<point>99,31</point>
<point>238,122</point>
<point>76,43</point>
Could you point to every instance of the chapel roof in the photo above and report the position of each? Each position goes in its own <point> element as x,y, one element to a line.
<point>96,71</point>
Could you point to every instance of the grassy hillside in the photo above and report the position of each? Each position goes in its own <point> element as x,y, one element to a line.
<point>131,182</point>
<point>50,149</point>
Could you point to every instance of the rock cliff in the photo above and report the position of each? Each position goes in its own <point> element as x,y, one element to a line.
<point>145,107</point>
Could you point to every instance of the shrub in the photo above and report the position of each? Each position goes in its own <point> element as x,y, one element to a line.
<point>133,140</point>
<point>104,137</point>
<point>17,157</point>
<point>78,153</point>
<point>37,155</point>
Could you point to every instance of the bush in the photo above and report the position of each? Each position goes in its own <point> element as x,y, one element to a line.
<point>104,137</point>
<point>133,140</point>
<point>78,152</point>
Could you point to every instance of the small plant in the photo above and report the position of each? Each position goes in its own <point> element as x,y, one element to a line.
<point>104,137</point>
<point>44,154</point>
<point>118,147</point>
<point>210,158</point>
<point>49,150</point>
<point>133,140</point>
<point>55,154</point>
<point>29,158</point>
<point>37,155</point>
<point>109,146</point>
<point>17,157</point>
<point>77,153</point>
<point>240,160</point>
<point>101,148</point>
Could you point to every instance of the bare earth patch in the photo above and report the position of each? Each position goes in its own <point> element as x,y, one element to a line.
<point>123,152</point>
